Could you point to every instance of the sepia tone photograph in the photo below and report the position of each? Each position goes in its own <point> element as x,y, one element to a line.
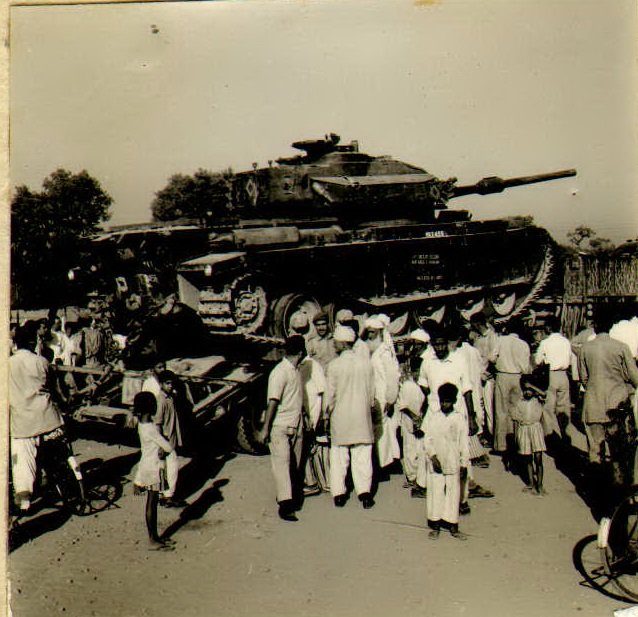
<point>323,309</point>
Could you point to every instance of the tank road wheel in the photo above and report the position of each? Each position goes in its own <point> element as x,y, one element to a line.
<point>285,306</point>
<point>435,312</point>
<point>248,304</point>
<point>399,324</point>
<point>470,306</point>
<point>504,303</point>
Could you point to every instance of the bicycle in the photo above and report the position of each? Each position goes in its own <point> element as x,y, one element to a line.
<point>63,479</point>
<point>618,534</point>
<point>618,543</point>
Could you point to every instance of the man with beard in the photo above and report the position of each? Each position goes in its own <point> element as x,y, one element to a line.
<point>348,412</point>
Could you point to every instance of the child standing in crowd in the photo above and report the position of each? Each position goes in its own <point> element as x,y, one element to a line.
<point>446,446</point>
<point>151,470</point>
<point>530,440</point>
<point>410,403</point>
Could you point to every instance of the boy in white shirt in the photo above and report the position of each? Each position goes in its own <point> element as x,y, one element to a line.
<point>448,456</point>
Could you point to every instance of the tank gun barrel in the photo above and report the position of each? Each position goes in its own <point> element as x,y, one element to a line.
<point>494,184</point>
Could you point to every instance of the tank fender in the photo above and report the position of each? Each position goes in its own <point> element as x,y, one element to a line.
<point>266,235</point>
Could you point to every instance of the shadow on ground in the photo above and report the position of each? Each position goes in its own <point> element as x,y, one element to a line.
<point>198,508</point>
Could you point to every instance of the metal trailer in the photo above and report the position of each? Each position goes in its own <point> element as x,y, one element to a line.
<point>221,393</point>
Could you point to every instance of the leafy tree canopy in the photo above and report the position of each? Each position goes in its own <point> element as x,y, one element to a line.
<point>48,231</point>
<point>204,195</point>
<point>585,239</point>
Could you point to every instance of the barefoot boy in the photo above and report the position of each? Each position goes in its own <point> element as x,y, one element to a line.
<point>448,456</point>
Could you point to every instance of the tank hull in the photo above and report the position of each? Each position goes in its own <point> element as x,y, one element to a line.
<point>392,268</point>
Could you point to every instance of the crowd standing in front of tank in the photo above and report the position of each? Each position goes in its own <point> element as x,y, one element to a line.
<point>345,410</point>
<point>516,388</point>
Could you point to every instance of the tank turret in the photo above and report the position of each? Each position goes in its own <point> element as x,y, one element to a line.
<point>331,178</point>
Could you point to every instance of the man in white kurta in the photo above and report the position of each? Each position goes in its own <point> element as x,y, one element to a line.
<point>349,412</point>
<point>409,406</point>
<point>33,414</point>
<point>451,367</point>
<point>386,389</point>
<point>485,342</point>
<point>445,440</point>
<point>314,384</point>
<point>283,426</point>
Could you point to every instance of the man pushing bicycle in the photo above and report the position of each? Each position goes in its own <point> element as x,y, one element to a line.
<point>34,417</point>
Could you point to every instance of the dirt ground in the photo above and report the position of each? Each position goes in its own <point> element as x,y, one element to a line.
<point>234,557</point>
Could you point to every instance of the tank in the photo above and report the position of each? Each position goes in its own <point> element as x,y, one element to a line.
<point>334,227</point>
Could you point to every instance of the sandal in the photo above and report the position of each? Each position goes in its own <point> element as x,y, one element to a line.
<point>162,546</point>
<point>458,535</point>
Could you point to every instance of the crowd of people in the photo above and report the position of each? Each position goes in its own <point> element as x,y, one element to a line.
<point>349,404</point>
<point>346,406</point>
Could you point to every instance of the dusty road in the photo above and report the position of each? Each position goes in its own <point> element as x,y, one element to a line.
<point>235,558</point>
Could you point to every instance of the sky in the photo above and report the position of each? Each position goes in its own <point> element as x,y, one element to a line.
<point>134,93</point>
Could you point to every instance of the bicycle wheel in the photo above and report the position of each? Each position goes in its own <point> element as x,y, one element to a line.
<point>69,486</point>
<point>620,547</point>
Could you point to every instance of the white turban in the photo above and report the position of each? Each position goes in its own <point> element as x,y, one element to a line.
<point>343,315</point>
<point>420,335</point>
<point>344,335</point>
<point>374,323</point>
<point>384,319</point>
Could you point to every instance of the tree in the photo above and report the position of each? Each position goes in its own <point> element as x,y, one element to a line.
<point>204,195</point>
<point>579,235</point>
<point>49,230</point>
<point>595,245</point>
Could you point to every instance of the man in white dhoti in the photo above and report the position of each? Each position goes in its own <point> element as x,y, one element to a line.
<point>386,389</point>
<point>484,341</point>
<point>314,387</point>
<point>445,443</point>
<point>410,408</point>
<point>348,411</point>
<point>33,414</point>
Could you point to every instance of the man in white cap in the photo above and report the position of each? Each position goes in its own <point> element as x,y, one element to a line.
<point>387,337</point>
<point>386,389</point>
<point>348,411</point>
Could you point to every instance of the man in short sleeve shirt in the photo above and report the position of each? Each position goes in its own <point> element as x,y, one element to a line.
<point>282,424</point>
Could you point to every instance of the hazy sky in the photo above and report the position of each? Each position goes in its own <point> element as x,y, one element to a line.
<point>134,93</point>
